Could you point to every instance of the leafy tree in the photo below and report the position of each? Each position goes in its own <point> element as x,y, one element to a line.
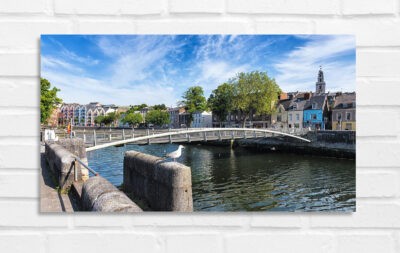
<point>135,108</point>
<point>133,119</point>
<point>254,93</point>
<point>157,117</point>
<point>161,107</point>
<point>48,100</point>
<point>194,101</point>
<point>221,101</point>
<point>107,120</point>
<point>99,120</point>
<point>111,118</point>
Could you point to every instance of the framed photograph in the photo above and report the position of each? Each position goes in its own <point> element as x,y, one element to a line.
<point>198,123</point>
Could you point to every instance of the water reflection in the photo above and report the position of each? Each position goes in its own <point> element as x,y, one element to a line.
<point>239,180</point>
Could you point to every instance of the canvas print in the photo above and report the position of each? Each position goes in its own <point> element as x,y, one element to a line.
<point>197,123</point>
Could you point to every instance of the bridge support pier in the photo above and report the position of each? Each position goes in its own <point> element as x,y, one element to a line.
<point>123,134</point>
<point>205,136</point>
<point>219,135</point>
<point>170,139</point>
<point>94,137</point>
<point>188,137</point>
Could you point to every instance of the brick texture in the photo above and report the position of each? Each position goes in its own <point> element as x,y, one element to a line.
<point>373,228</point>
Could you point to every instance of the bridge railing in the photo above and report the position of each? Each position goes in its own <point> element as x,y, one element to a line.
<point>101,136</point>
<point>198,135</point>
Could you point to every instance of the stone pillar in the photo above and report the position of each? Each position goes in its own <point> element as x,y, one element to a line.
<point>164,186</point>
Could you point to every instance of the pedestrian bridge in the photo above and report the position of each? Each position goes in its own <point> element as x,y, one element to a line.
<point>197,134</point>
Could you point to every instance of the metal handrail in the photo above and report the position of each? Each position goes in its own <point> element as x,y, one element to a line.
<point>84,165</point>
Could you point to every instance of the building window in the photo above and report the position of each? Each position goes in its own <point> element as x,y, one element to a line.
<point>279,118</point>
<point>290,117</point>
<point>313,116</point>
<point>296,125</point>
<point>348,116</point>
<point>314,105</point>
<point>339,116</point>
<point>297,116</point>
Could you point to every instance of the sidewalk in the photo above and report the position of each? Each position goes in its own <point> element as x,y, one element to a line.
<point>50,199</point>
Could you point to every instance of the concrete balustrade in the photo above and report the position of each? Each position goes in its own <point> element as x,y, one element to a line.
<point>98,194</point>
<point>164,186</point>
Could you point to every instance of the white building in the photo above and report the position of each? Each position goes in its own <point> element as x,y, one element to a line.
<point>201,120</point>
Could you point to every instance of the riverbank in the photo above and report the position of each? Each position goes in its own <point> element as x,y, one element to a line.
<point>339,144</point>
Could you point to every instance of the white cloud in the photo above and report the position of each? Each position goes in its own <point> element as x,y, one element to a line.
<point>158,69</point>
<point>298,71</point>
<point>55,63</point>
<point>71,56</point>
<point>213,73</point>
<point>83,90</point>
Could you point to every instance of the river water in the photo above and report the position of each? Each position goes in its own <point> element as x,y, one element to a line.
<point>240,180</point>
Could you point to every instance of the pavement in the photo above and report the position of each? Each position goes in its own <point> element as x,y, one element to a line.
<point>51,200</point>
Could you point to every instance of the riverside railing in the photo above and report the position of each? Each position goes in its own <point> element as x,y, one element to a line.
<point>84,165</point>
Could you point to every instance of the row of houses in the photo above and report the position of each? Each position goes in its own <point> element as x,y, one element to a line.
<point>82,115</point>
<point>295,110</point>
<point>179,118</point>
<point>318,110</point>
<point>336,111</point>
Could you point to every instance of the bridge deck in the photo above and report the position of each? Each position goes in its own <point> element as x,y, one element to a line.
<point>102,139</point>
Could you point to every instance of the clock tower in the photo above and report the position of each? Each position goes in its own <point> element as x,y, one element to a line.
<point>320,84</point>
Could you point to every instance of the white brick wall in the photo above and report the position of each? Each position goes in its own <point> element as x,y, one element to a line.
<point>375,227</point>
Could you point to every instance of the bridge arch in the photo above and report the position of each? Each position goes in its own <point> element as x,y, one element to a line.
<point>191,131</point>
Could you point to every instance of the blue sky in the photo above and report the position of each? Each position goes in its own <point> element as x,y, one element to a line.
<point>154,69</point>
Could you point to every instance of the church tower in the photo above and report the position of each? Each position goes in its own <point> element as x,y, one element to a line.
<point>320,84</point>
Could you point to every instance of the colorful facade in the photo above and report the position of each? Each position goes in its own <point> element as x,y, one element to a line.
<point>83,115</point>
<point>344,112</point>
<point>315,113</point>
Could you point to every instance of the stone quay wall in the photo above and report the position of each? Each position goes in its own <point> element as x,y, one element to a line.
<point>163,186</point>
<point>340,144</point>
<point>98,194</point>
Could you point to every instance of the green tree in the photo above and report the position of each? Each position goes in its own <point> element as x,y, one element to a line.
<point>254,93</point>
<point>157,117</point>
<point>221,101</point>
<point>135,108</point>
<point>161,107</point>
<point>99,120</point>
<point>194,100</point>
<point>132,119</point>
<point>48,100</point>
<point>107,120</point>
<point>111,118</point>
